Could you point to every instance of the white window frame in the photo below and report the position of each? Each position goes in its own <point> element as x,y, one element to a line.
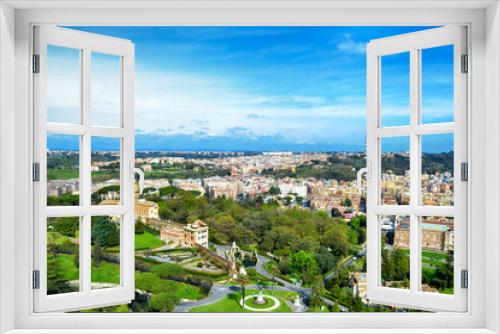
<point>86,44</point>
<point>16,20</point>
<point>413,44</point>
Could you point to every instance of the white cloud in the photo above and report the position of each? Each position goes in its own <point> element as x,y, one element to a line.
<point>350,46</point>
<point>189,103</point>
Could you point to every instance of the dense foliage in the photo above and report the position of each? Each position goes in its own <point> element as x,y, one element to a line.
<point>308,243</point>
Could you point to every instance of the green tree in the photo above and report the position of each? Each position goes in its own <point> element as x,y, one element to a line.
<point>336,307</point>
<point>325,259</point>
<point>66,199</point>
<point>275,272</point>
<point>97,252</point>
<point>145,281</point>
<point>315,301</point>
<point>305,264</point>
<point>285,267</point>
<point>56,282</point>
<point>168,270</point>
<point>347,202</point>
<point>67,226</point>
<point>336,238</point>
<point>336,213</point>
<point>274,190</point>
<point>163,302</point>
<point>104,230</point>
<point>243,281</point>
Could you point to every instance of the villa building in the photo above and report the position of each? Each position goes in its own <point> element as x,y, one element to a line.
<point>185,235</point>
<point>146,209</point>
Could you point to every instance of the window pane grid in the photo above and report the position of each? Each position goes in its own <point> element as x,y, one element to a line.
<point>416,232</point>
<point>88,272</point>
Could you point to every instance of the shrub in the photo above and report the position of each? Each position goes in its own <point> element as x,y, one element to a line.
<point>285,267</point>
<point>168,270</point>
<point>163,302</point>
<point>145,281</point>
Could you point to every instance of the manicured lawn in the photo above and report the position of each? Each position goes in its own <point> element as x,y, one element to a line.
<point>268,303</point>
<point>231,303</point>
<point>57,238</point>
<point>147,240</point>
<point>106,272</point>
<point>431,258</point>
<point>63,174</point>
<point>110,309</point>
<point>188,291</point>
<point>68,267</point>
<point>434,257</point>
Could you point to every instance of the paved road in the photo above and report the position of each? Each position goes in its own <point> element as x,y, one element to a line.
<point>304,292</point>
<point>216,293</point>
<point>348,262</point>
<point>259,266</point>
<point>221,291</point>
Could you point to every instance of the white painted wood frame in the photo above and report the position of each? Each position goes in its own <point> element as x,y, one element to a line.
<point>85,43</point>
<point>16,20</point>
<point>414,43</point>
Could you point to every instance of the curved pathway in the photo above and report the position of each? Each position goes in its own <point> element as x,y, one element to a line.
<point>216,293</point>
<point>219,291</point>
<point>304,292</point>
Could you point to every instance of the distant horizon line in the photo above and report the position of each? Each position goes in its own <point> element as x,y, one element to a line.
<point>239,151</point>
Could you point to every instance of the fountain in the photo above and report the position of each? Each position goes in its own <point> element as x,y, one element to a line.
<point>298,301</point>
<point>260,298</point>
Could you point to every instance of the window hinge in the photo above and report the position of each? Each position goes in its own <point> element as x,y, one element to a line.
<point>464,279</point>
<point>36,63</point>
<point>465,64</point>
<point>36,172</point>
<point>464,171</point>
<point>36,279</point>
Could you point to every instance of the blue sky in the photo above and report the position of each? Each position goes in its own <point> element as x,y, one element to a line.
<point>261,88</point>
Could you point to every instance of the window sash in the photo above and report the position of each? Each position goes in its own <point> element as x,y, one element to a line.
<point>413,43</point>
<point>86,297</point>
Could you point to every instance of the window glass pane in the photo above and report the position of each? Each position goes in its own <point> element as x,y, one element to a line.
<point>63,170</point>
<point>63,84</point>
<point>106,90</point>
<point>63,255</point>
<point>437,170</point>
<point>105,236</point>
<point>437,235</point>
<point>395,252</point>
<point>105,171</point>
<point>437,84</point>
<point>395,89</point>
<point>395,171</point>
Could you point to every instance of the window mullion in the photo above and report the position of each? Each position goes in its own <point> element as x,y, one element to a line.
<point>85,192</point>
<point>414,170</point>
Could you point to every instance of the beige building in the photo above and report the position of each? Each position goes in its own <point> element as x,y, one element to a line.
<point>437,237</point>
<point>185,235</point>
<point>146,209</point>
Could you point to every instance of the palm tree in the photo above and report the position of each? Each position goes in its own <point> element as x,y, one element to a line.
<point>275,271</point>
<point>243,281</point>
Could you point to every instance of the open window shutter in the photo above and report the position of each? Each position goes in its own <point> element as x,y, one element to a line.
<point>83,103</point>
<point>430,234</point>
